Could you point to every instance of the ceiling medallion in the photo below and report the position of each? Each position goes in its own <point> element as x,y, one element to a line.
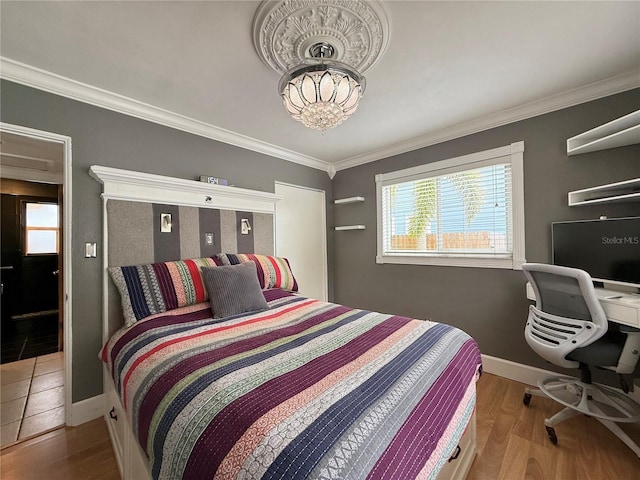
<point>321,48</point>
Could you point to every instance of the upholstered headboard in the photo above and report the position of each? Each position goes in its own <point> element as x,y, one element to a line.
<point>205,220</point>
<point>135,235</point>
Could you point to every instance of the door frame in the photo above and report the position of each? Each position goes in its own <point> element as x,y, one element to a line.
<point>66,247</point>
<point>325,265</point>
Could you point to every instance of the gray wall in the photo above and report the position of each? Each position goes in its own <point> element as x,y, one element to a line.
<point>102,137</point>
<point>489,304</point>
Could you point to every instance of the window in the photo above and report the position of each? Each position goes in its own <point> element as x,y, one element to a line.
<point>465,211</point>
<point>40,228</point>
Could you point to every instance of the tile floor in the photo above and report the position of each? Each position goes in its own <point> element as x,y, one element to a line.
<point>32,394</point>
<point>28,338</point>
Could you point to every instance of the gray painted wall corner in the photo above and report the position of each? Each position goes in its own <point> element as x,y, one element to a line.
<point>489,304</point>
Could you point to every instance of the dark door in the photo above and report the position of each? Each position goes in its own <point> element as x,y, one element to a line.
<point>30,232</point>
<point>9,260</point>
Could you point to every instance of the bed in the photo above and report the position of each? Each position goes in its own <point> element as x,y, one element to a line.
<point>302,389</point>
<point>295,389</point>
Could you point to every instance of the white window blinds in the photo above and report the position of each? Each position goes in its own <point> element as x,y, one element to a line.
<point>461,208</point>
<point>466,212</point>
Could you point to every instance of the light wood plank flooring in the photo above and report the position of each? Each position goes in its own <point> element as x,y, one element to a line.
<point>80,453</point>
<point>512,445</point>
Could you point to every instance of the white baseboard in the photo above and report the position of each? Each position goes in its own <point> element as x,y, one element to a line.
<point>530,375</point>
<point>515,371</point>
<point>86,410</point>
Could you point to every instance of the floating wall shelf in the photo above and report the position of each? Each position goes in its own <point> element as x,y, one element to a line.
<point>350,227</point>
<point>341,201</point>
<point>348,200</point>
<point>627,191</point>
<point>617,133</point>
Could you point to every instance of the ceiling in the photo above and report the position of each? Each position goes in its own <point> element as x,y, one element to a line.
<point>450,68</point>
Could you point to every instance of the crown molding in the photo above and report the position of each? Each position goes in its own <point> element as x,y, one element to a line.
<point>30,76</point>
<point>576,96</point>
<point>53,83</point>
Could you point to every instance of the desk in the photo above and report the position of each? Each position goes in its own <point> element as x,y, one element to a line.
<point>623,308</point>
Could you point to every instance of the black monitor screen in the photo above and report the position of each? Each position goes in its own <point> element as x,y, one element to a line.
<point>609,250</point>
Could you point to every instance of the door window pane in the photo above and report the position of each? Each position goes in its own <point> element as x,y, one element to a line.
<point>41,228</point>
<point>42,215</point>
<point>42,241</point>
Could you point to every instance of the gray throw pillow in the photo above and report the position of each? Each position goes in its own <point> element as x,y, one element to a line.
<point>233,289</point>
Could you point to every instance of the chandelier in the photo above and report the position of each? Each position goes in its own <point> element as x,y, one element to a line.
<point>321,93</point>
<point>321,48</point>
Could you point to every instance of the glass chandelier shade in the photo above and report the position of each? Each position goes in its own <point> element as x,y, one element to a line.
<point>321,94</point>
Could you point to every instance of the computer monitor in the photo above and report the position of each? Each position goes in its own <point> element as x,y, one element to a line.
<point>609,250</point>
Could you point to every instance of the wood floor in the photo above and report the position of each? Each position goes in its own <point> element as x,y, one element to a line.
<point>80,453</point>
<point>512,445</point>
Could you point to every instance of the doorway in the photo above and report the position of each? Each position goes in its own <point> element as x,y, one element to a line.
<point>34,282</point>
<point>29,272</point>
<point>301,236</point>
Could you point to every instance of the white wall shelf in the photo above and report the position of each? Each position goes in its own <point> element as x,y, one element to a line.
<point>350,227</point>
<point>627,191</point>
<point>617,133</point>
<point>341,201</point>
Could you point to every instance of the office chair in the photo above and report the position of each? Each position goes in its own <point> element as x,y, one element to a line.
<point>568,327</point>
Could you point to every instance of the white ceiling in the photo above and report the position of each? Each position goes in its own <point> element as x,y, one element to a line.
<point>450,68</point>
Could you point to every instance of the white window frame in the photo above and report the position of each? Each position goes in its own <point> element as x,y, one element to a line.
<point>510,153</point>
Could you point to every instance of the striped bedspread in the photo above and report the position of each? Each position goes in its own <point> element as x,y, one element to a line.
<point>305,389</point>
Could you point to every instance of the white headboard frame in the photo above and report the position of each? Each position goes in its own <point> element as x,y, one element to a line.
<point>121,184</point>
<point>134,186</point>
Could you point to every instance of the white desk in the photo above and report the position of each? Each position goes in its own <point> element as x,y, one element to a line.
<point>619,307</point>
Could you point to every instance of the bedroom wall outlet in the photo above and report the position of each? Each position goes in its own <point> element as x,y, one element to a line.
<point>90,250</point>
<point>208,239</point>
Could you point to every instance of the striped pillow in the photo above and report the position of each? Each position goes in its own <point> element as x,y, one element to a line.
<point>273,272</point>
<point>155,288</point>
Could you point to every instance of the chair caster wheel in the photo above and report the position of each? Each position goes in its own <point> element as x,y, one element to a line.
<point>552,435</point>
<point>527,399</point>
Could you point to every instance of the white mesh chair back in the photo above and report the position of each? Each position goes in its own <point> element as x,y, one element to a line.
<point>567,314</point>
